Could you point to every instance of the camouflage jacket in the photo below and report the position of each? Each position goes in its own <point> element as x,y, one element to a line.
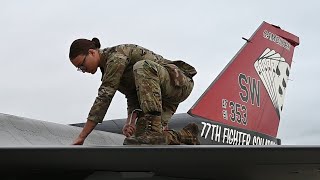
<point>116,65</point>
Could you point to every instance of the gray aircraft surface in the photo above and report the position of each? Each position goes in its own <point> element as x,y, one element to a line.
<point>238,117</point>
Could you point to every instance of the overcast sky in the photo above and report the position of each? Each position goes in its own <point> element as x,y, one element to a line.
<point>38,81</point>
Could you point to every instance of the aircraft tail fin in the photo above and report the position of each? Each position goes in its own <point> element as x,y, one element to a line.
<point>249,92</point>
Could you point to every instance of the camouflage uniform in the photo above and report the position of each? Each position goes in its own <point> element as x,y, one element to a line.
<point>148,81</point>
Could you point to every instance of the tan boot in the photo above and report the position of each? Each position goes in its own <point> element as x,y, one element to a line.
<point>153,133</point>
<point>189,134</point>
<point>140,126</point>
<point>172,137</point>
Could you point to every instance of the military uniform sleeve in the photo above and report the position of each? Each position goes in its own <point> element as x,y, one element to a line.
<point>115,67</point>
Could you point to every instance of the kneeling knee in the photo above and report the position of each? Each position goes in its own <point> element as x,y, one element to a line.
<point>139,65</point>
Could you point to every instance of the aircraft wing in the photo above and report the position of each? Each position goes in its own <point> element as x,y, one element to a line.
<point>39,149</point>
<point>19,131</point>
<point>162,162</point>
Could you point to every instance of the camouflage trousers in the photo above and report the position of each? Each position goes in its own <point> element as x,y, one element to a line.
<point>158,91</point>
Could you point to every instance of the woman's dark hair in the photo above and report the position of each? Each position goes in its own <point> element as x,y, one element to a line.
<point>82,46</point>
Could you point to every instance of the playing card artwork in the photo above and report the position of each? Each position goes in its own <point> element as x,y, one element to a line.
<point>273,71</point>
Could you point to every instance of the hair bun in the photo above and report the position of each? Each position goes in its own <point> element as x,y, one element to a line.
<point>96,42</point>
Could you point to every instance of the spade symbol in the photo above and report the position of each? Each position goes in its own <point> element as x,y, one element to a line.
<point>284,84</point>
<point>280,91</point>
<point>287,72</point>
<point>278,71</point>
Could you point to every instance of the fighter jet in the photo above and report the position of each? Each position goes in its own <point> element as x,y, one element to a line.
<point>238,116</point>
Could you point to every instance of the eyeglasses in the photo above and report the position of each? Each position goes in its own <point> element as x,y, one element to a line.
<point>81,67</point>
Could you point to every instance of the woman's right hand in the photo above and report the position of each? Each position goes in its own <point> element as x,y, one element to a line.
<point>129,127</point>
<point>128,130</point>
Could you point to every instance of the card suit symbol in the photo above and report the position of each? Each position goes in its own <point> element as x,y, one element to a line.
<point>287,72</point>
<point>280,90</point>
<point>284,84</point>
<point>278,71</point>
